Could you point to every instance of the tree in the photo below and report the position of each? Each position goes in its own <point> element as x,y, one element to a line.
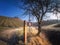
<point>56,9</point>
<point>38,9</point>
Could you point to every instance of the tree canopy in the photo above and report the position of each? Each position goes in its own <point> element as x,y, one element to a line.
<point>39,8</point>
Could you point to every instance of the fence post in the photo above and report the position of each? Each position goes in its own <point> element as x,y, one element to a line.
<point>25,33</point>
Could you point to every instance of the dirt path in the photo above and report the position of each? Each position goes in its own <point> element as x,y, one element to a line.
<point>51,27</point>
<point>8,33</point>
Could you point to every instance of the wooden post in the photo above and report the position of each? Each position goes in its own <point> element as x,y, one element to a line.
<point>25,34</point>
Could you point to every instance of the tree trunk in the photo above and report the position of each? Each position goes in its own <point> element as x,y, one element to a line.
<point>39,27</point>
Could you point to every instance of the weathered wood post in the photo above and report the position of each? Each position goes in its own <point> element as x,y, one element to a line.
<point>25,33</point>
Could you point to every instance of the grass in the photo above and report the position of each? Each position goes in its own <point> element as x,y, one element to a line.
<point>3,28</point>
<point>2,43</point>
<point>45,38</point>
<point>10,22</point>
<point>19,33</point>
<point>18,36</point>
<point>38,41</point>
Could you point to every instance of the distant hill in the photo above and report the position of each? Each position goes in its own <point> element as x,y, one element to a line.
<point>10,22</point>
<point>48,22</point>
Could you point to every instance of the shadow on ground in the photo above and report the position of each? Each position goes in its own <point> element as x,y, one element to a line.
<point>53,37</point>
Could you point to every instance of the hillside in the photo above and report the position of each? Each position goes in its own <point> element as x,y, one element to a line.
<point>48,22</point>
<point>10,22</point>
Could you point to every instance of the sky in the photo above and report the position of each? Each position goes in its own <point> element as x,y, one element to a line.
<point>9,8</point>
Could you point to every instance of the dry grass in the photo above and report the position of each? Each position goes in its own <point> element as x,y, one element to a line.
<point>39,40</point>
<point>2,43</point>
<point>32,40</point>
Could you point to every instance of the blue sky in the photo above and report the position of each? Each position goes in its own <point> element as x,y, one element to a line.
<point>9,8</point>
